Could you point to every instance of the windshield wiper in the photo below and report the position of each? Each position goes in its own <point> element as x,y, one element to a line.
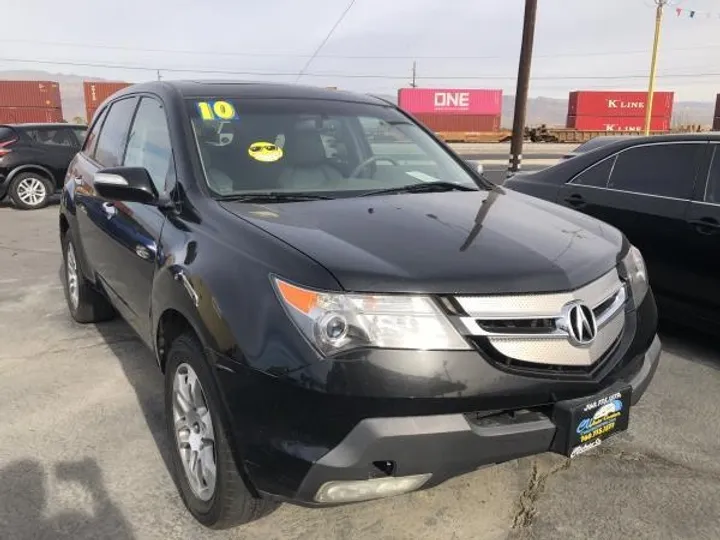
<point>425,187</point>
<point>273,196</point>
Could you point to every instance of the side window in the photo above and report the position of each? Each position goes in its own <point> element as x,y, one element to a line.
<point>659,169</point>
<point>91,138</point>
<point>712,190</point>
<point>51,137</point>
<point>80,135</point>
<point>596,175</point>
<point>149,143</point>
<point>113,136</point>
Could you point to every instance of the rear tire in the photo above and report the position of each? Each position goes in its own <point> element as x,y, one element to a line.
<point>86,305</point>
<point>31,191</point>
<point>221,501</point>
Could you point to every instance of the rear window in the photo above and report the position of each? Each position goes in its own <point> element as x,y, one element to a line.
<point>6,134</point>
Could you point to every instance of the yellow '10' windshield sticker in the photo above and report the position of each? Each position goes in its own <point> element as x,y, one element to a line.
<point>216,110</point>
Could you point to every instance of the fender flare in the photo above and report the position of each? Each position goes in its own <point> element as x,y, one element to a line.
<point>23,168</point>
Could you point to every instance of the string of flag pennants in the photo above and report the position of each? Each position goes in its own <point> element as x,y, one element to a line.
<point>695,14</point>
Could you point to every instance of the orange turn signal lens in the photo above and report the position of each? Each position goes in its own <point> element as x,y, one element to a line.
<point>301,299</point>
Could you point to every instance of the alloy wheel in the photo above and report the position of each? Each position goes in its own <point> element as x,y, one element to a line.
<point>72,276</point>
<point>194,432</point>
<point>31,191</point>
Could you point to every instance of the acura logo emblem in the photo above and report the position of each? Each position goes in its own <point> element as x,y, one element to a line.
<point>579,322</point>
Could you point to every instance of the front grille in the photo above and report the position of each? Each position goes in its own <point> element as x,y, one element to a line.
<point>534,331</point>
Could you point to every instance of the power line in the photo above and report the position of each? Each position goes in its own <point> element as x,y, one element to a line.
<point>344,56</point>
<point>354,75</point>
<point>324,41</point>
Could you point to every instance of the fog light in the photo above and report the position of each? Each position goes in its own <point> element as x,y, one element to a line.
<point>339,491</point>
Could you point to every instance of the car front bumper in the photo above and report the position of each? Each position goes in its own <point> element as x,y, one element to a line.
<point>447,445</point>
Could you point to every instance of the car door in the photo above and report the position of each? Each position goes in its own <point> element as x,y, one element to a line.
<point>105,147</point>
<point>703,241</point>
<point>646,197</point>
<point>133,240</point>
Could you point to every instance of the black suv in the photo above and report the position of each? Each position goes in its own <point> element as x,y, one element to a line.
<point>34,159</point>
<point>341,318</point>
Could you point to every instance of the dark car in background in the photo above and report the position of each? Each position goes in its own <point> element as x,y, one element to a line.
<point>663,192</point>
<point>34,159</point>
<point>593,144</point>
<point>339,318</point>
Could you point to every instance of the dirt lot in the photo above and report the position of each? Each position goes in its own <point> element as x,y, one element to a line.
<point>83,450</point>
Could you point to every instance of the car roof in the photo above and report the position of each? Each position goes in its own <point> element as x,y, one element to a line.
<point>567,168</point>
<point>250,90</point>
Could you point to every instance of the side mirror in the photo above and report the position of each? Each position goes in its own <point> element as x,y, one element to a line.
<point>129,184</point>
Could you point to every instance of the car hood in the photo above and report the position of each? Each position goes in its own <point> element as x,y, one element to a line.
<point>456,242</point>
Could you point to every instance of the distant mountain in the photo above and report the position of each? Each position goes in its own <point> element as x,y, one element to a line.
<point>541,110</point>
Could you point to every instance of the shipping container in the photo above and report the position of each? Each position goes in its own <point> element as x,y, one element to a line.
<point>630,104</point>
<point>450,101</point>
<point>716,123</point>
<point>24,115</point>
<point>44,94</point>
<point>717,106</point>
<point>616,123</point>
<point>459,122</point>
<point>97,92</point>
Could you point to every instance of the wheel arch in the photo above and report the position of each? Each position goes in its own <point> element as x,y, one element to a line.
<point>33,167</point>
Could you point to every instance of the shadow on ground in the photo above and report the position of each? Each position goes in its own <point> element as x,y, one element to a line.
<point>143,374</point>
<point>690,343</point>
<point>25,501</point>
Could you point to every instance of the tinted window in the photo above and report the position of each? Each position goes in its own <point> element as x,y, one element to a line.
<point>597,142</point>
<point>712,191</point>
<point>149,143</point>
<point>660,169</point>
<point>111,142</point>
<point>91,138</point>
<point>80,134</point>
<point>51,137</point>
<point>597,175</point>
<point>6,133</point>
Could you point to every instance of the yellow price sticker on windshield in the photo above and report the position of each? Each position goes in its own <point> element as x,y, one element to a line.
<point>216,110</point>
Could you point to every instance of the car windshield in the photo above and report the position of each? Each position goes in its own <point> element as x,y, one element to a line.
<point>326,147</point>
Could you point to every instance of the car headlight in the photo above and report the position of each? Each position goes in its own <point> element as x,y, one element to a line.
<point>337,322</point>
<point>633,266</point>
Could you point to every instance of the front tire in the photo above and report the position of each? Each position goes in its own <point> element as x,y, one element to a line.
<point>86,305</point>
<point>204,469</point>
<point>30,191</point>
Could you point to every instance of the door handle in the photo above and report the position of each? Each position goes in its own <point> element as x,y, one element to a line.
<point>706,225</point>
<point>575,200</point>
<point>110,209</point>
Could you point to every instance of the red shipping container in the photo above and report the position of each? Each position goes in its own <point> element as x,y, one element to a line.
<point>616,123</point>
<point>29,115</point>
<point>97,92</point>
<point>717,107</point>
<point>716,123</point>
<point>442,122</point>
<point>450,101</point>
<point>631,104</point>
<point>44,94</point>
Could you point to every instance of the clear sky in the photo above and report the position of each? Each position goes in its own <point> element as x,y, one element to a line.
<point>579,44</point>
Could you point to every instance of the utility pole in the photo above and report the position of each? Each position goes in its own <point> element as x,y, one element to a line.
<point>159,77</point>
<point>414,75</point>
<point>653,64</point>
<point>523,82</point>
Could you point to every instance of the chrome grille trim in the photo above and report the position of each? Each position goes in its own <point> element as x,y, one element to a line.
<point>538,306</point>
<point>548,346</point>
